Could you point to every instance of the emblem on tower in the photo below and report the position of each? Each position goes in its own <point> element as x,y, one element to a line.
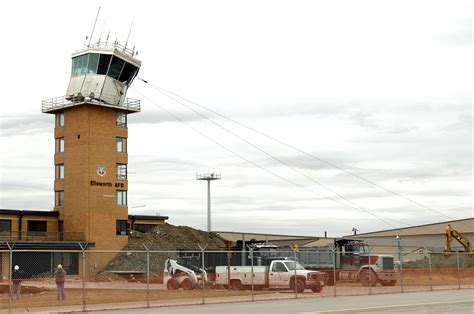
<point>101,171</point>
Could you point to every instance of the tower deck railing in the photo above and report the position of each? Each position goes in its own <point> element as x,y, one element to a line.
<point>58,103</point>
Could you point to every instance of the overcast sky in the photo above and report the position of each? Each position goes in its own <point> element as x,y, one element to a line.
<point>382,89</point>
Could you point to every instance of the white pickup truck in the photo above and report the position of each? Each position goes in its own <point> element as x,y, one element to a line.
<point>279,275</point>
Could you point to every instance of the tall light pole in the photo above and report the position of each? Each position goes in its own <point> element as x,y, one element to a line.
<point>208,177</point>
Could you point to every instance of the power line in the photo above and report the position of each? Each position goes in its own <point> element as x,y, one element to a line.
<point>353,206</point>
<point>299,150</point>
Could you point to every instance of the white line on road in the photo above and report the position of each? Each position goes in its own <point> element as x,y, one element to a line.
<point>375,308</point>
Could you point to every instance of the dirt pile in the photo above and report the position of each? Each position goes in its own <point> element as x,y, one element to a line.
<point>163,237</point>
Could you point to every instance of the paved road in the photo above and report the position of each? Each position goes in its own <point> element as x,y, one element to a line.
<point>452,301</point>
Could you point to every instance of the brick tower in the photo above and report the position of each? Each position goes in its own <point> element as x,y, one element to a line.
<point>91,145</point>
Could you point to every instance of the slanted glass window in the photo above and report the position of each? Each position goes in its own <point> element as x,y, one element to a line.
<point>104,62</point>
<point>121,119</point>
<point>59,172</point>
<point>121,144</point>
<point>60,145</point>
<point>121,198</point>
<point>122,171</point>
<point>128,73</point>
<point>37,227</point>
<point>5,227</point>
<point>121,227</point>
<point>115,67</point>
<point>59,198</point>
<point>93,62</point>
<point>60,119</point>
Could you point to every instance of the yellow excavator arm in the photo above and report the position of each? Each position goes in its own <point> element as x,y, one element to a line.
<point>453,234</point>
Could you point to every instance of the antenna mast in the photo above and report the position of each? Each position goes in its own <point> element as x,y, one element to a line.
<point>93,28</point>
<point>126,43</point>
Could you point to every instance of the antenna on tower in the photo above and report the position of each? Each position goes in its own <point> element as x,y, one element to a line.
<point>128,37</point>
<point>93,28</point>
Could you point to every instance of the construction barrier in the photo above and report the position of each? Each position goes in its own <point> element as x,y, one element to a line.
<point>94,280</point>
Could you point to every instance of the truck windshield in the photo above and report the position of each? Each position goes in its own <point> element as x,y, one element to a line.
<point>268,252</point>
<point>361,248</point>
<point>291,265</point>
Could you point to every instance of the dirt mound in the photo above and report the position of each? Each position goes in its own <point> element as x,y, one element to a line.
<point>163,237</point>
<point>169,237</point>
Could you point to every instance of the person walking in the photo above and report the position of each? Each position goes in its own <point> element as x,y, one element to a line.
<point>60,275</point>
<point>17,276</point>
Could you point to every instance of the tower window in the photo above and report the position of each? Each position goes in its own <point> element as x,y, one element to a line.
<point>121,144</point>
<point>59,199</point>
<point>60,145</point>
<point>122,171</point>
<point>60,119</point>
<point>59,172</point>
<point>104,62</point>
<point>121,227</point>
<point>121,198</point>
<point>121,119</point>
<point>115,67</point>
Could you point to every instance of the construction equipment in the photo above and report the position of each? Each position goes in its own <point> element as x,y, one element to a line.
<point>349,260</point>
<point>453,234</point>
<point>176,275</point>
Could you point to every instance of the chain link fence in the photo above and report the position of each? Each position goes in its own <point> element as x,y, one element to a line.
<point>97,280</point>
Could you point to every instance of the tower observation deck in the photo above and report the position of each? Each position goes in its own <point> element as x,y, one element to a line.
<point>100,75</point>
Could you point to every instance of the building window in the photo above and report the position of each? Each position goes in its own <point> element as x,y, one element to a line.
<point>60,145</point>
<point>122,171</point>
<point>121,144</point>
<point>144,227</point>
<point>121,119</point>
<point>59,173</point>
<point>121,227</point>
<point>5,227</point>
<point>60,119</point>
<point>121,198</point>
<point>37,227</point>
<point>59,199</point>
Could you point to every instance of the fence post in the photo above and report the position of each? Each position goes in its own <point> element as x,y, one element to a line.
<point>10,266</point>
<point>429,264</point>
<point>251,267</point>
<point>370,275</point>
<point>459,277</point>
<point>400,257</point>
<point>83,248</point>
<point>334,269</point>
<point>202,274</point>
<point>296,281</point>
<point>147,275</point>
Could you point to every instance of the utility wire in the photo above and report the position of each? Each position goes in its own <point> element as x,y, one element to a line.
<point>299,150</point>
<point>263,168</point>
<point>383,219</point>
<point>353,205</point>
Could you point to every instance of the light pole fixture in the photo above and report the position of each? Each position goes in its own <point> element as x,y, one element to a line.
<point>354,229</point>
<point>208,177</point>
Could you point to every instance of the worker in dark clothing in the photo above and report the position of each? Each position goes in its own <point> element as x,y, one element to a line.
<point>60,276</point>
<point>17,276</point>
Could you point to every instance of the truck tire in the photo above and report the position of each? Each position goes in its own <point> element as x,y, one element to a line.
<point>172,284</point>
<point>317,288</point>
<point>368,277</point>
<point>388,282</point>
<point>187,284</point>
<point>236,285</point>
<point>300,285</point>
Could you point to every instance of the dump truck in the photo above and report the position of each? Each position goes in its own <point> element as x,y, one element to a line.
<point>349,260</point>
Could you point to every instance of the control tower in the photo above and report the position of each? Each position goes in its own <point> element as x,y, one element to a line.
<point>91,135</point>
